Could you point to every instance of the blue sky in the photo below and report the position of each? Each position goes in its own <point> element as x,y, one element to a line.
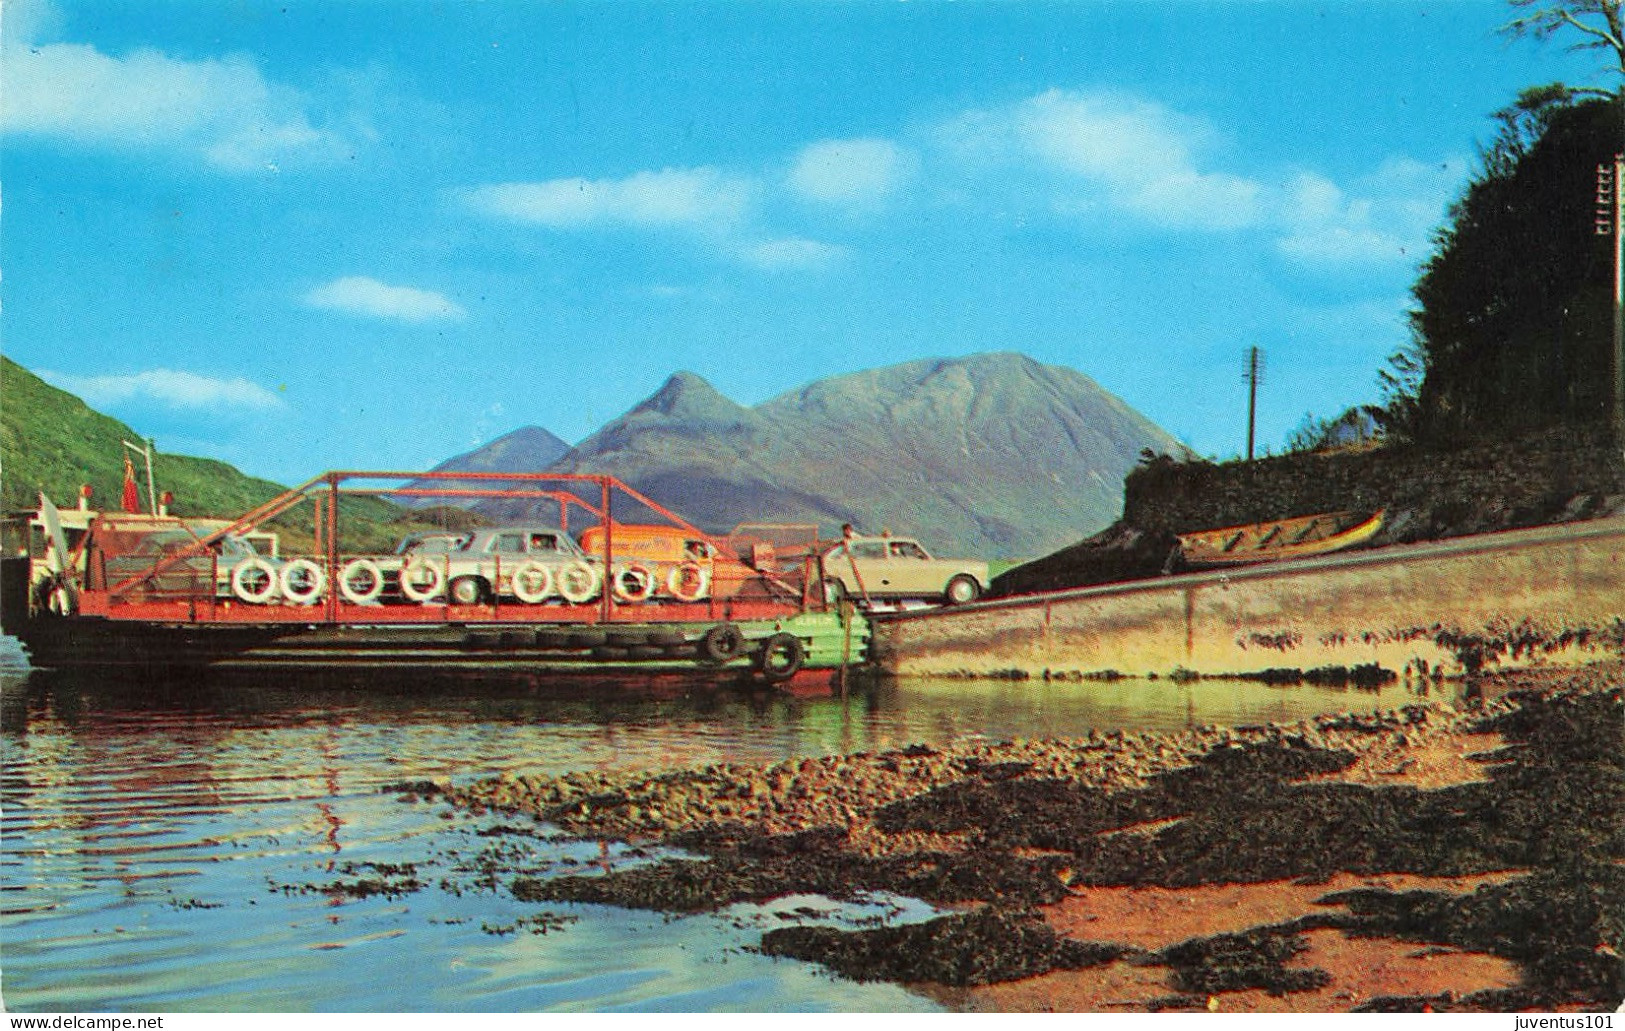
<point>309,235</point>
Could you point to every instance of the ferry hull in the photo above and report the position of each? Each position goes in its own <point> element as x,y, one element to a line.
<point>153,650</point>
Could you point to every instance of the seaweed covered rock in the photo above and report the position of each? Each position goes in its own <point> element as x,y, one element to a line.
<point>1236,962</point>
<point>964,949</point>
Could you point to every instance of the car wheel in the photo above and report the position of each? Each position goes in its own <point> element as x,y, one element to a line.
<point>962,589</point>
<point>467,590</point>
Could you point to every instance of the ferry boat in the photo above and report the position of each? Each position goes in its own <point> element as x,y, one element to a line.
<point>155,595</point>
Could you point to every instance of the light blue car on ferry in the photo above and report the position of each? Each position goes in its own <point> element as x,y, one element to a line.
<point>530,564</point>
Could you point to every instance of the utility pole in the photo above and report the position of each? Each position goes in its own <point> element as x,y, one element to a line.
<point>1255,373</point>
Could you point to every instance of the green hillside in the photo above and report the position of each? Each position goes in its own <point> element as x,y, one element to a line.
<point>52,441</point>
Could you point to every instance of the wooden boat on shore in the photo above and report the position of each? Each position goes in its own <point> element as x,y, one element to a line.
<point>1298,537</point>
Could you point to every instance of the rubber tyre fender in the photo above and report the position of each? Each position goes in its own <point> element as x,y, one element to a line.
<point>722,642</point>
<point>552,639</point>
<point>780,657</point>
<point>586,638</point>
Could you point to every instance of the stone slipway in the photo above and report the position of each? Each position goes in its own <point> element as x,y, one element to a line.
<point>1550,595</point>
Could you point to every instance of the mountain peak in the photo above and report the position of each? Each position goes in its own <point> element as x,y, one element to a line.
<point>686,395</point>
<point>990,453</point>
<point>527,449</point>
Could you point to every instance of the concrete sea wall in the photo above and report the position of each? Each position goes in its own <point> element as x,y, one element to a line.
<point>1550,595</point>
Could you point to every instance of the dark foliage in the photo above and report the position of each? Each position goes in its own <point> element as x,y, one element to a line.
<point>1514,321</point>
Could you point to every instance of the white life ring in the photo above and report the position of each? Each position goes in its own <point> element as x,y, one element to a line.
<point>577,582</point>
<point>303,581</point>
<point>689,581</point>
<point>633,582</point>
<point>367,570</point>
<point>266,577</point>
<point>532,582</point>
<point>416,567</point>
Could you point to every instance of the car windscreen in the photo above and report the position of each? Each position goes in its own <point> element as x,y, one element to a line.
<point>235,548</point>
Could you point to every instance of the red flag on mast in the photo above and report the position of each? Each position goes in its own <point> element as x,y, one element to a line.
<point>132,495</point>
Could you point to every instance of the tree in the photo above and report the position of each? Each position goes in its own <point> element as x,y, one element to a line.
<point>1513,325</point>
<point>1596,23</point>
<point>1356,426</point>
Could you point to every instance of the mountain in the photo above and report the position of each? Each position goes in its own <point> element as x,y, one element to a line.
<point>50,440</point>
<point>525,450</point>
<point>528,449</point>
<point>992,454</point>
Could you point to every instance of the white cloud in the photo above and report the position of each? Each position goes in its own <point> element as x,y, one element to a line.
<point>221,110</point>
<point>691,198</point>
<point>1088,153</point>
<point>856,172</point>
<point>27,21</point>
<point>792,253</point>
<point>361,295</point>
<point>1388,218</point>
<point>167,387</point>
<point>1125,153</point>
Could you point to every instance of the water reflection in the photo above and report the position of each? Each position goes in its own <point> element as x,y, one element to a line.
<point>181,846</point>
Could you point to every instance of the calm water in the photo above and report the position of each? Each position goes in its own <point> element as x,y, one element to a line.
<point>181,849</point>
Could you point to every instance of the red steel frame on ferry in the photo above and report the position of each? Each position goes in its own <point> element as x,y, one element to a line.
<point>120,600</point>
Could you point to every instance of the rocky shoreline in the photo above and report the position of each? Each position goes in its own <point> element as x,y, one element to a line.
<point>1423,858</point>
